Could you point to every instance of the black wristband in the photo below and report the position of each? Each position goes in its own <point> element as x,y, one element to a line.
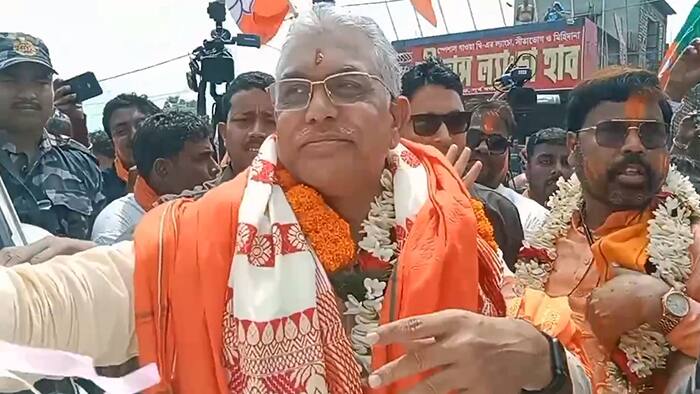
<point>561,381</point>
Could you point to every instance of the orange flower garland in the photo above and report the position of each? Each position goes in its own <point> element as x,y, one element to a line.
<point>328,233</point>
<point>483,226</point>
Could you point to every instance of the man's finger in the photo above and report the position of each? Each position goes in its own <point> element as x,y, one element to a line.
<point>472,175</point>
<point>452,154</point>
<point>690,50</point>
<point>9,257</point>
<point>416,327</point>
<point>410,364</point>
<point>463,161</point>
<point>62,90</point>
<point>22,254</point>
<point>411,346</point>
<point>441,382</point>
<point>66,100</point>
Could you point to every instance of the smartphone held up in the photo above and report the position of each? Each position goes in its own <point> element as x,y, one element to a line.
<point>84,86</point>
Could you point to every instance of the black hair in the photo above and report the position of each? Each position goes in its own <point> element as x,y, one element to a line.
<point>430,72</point>
<point>246,81</point>
<point>500,108</point>
<point>142,103</point>
<point>615,84</point>
<point>551,135</point>
<point>101,144</point>
<point>163,135</point>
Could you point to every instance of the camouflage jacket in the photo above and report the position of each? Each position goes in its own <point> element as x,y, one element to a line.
<point>60,191</point>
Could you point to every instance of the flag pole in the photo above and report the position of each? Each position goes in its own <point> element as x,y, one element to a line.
<point>471,12</point>
<point>391,19</point>
<point>420,29</point>
<point>447,29</point>
<point>503,14</point>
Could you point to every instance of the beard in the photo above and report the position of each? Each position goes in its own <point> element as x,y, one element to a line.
<point>607,188</point>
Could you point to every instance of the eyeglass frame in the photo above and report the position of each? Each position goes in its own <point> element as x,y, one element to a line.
<point>627,133</point>
<point>325,88</point>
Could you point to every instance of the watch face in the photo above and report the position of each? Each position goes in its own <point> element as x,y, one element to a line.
<point>677,304</point>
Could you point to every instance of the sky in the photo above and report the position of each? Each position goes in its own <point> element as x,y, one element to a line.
<point>111,37</point>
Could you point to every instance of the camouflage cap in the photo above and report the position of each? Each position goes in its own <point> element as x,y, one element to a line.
<point>18,48</point>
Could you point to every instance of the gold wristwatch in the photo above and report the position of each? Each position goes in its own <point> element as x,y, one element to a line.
<point>675,306</point>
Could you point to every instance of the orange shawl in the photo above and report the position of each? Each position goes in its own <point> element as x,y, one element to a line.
<point>144,194</point>
<point>122,171</point>
<point>183,258</point>
<point>623,240</point>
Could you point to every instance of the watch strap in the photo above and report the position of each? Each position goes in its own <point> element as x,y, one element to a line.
<point>561,382</point>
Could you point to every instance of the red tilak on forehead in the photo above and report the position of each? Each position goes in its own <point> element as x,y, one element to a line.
<point>319,57</point>
<point>636,106</point>
<point>489,122</point>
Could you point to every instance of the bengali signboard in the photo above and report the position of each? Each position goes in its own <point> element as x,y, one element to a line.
<point>560,55</point>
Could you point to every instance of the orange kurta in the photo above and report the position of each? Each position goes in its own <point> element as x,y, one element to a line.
<point>181,283</point>
<point>621,240</point>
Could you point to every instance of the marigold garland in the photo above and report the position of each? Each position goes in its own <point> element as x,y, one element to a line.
<point>328,233</point>
<point>483,225</point>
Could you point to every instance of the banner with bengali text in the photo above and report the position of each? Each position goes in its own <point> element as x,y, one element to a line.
<point>561,54</point>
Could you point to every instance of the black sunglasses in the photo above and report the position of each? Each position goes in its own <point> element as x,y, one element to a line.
<point>613,133</point>
<point>426,125</point>
<point>496,143</point>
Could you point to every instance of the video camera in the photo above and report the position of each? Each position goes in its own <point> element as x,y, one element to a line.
<point>212,63</point>
<point>521,99</point>
<point>512,83</point>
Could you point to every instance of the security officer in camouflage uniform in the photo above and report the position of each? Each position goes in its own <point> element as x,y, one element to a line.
<point>54,181</point>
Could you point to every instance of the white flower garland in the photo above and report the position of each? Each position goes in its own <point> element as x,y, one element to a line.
<point>377,242</point>
<point>670,236</point>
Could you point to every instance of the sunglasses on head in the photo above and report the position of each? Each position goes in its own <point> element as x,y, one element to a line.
<point>613,133</point>
<point>496,143</point>
<point>426,125</point>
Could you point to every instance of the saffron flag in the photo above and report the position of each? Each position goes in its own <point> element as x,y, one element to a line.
<point>260,17</point>
<point>689,31</point>
<point>425,8</point>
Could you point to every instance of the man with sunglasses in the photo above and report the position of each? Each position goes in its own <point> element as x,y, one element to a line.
<point>278,280</point>
<point>491,127</point>
<point>438,119</point>
<point>622,240</point>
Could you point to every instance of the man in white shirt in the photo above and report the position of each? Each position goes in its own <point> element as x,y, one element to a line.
<point>492,124</point>
<point>173,153</point>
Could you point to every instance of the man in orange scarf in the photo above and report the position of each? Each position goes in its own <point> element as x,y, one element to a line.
<point>277,281</point>
<point>623,239</point>
<point>173,152</point>
<point>120,117</point>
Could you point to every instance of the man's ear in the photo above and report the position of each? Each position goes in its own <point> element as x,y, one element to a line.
<point>400,109</point>
<point>161,168</point>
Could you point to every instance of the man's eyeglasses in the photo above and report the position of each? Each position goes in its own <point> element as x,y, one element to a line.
<point>613,133</point>
<point>496,143</point>
<point>426,125</point>
<point>293,94</point>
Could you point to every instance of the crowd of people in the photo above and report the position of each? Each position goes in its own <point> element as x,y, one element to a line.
<point>362,232</point>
